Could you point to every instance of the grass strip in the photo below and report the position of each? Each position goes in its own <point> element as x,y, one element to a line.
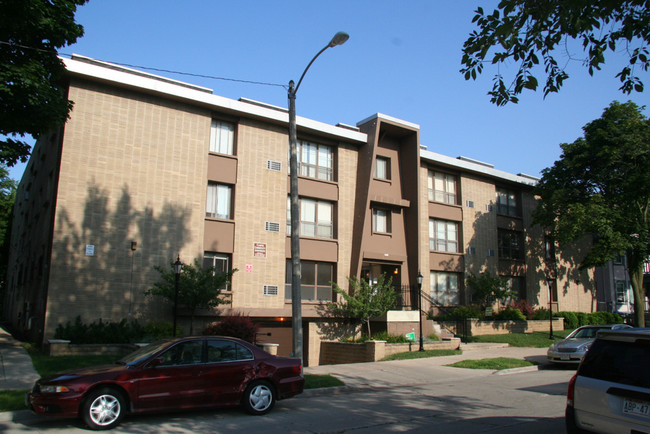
<point>498,363</point>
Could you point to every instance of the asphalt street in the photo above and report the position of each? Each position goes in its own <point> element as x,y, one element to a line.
<point>422,395</point>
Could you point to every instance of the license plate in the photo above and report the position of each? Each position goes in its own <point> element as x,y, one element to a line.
<point>639,408</point>
<point>563,357</point>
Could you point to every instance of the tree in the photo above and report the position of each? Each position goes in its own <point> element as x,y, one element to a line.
<point>7,199</point>
<point>600,187</point>
<point>33,99</point>
<point>487,288</point>
<point>526,31</point>
<point>198,287</point>
<point>365,301</point>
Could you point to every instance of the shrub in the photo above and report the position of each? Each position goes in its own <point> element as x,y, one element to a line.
<point>510,314</point>
<point>100,332</point>
<point>470,311</point>
<point>236,326</point>
<point>155,330</point>
<point>570,320</point>
<point>526,309</point>
<point>541,313</point>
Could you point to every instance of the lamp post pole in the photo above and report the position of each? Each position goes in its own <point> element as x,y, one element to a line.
<point>549,282</point>
<point>296,296</point>
<point>178,265</point>
<point>420,309</point>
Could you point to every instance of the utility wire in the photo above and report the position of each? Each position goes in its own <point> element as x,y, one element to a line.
<point>149,68</point>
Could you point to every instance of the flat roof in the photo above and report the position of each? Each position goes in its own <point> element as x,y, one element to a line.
<point>119,75</point>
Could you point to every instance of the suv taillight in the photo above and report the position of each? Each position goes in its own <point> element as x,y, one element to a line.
<point>569,394</point>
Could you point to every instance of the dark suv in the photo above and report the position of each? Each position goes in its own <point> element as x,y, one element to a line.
<point>610,392</point>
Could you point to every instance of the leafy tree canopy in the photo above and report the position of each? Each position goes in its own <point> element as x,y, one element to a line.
<point>32,95</point>
<point>529,32</point>
<point>487,288</point>
<point>364,301</point>
<point>198,287</point>
<point>600,187</point>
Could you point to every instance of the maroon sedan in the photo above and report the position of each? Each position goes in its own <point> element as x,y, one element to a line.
<point>170,375</point>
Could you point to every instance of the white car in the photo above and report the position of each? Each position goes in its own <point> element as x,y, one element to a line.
<point>610,392</point>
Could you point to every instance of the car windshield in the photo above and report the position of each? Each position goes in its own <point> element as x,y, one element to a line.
<point>143,353</point>
<point>587,333</point>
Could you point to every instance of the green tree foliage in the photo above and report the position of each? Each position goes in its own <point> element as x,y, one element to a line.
<point>527,32</point>
<point>7,199</point>
<point>600,187</point>
<point>365,301</point>
<point>487,288</point>
<point>33,99</point>
<point>198,287</point>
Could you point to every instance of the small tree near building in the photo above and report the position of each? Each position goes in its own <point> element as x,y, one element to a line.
<point>364,301</point>
<point>198,287</point>
<point>487,288</point>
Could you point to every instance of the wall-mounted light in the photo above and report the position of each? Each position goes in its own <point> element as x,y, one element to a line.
<point>134,245</point>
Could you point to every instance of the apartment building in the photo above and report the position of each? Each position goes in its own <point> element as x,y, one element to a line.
<point>148,169</point>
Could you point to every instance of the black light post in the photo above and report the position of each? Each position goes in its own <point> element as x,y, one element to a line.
<point>178,265</point>
<point>420,309</point>
<point>549,282</point>
<point>296,296</point>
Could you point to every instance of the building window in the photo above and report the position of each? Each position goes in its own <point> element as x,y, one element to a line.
<point>507,203</point>
<point>443,236</point>
<point>315,161</point>
<point>222,137</point>
<point>442,187</point>
<point>219,201</point>
<point>382,168</point>
<point>316,218</point>
<point>219,262</point>
<point>510,245</point>
<point>381,220</point>
<point>444,288</point>
<point>517,285</point>
<point>621,292</point>
<point>549,248</point>
<point>315,284</point>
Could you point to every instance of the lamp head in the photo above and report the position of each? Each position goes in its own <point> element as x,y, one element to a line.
<point>420,278</point>
<point>339,39</point>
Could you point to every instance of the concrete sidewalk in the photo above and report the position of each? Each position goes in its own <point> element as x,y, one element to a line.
<point>16,368</point>
<point>359,376</point>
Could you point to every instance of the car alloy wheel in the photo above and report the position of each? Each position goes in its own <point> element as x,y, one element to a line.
<point>103,409</point>
<point>259,398</point>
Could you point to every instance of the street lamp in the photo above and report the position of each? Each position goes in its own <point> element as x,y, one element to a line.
<point>420,309</point>
<point>296,297</point>
<point>178,265</point>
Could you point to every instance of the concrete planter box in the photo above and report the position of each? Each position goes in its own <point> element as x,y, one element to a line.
<point>476,327</point>
<point>60,347</point>
<point>334,353</point>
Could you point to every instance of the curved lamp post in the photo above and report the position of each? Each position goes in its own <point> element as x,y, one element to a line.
<point>296,296</point>
<point>178,266</point>
<point>420,309</point>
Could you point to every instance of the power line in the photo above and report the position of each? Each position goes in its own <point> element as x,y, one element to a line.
<point>149,68</point>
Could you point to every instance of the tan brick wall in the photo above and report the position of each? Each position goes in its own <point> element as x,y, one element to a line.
<point>131,168</point>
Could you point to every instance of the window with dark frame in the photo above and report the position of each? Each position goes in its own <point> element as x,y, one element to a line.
<point>316,218</point>
<point>381,221</point>
<point>443,235</point>
<point>382,168</point>
<point>507,202</point>
<point>510,244</point>
<point>315,283</point>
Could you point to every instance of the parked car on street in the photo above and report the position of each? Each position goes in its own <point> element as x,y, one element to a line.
<point>610,392</point>
<point>573,348</point>
<point>168,375</point>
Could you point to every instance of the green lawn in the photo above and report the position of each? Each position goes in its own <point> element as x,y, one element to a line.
<point>421,354</point>
<point>498,363</point>
<point>534,340</point>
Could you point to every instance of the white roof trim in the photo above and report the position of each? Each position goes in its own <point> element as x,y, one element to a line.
<point>476,168</point>
<point>149,82</point>
<point>382,116</point>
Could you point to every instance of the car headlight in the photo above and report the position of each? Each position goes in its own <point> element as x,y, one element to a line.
<point>54,389</point>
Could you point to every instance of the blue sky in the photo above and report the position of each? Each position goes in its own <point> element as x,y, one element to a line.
<point>402,59</point>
